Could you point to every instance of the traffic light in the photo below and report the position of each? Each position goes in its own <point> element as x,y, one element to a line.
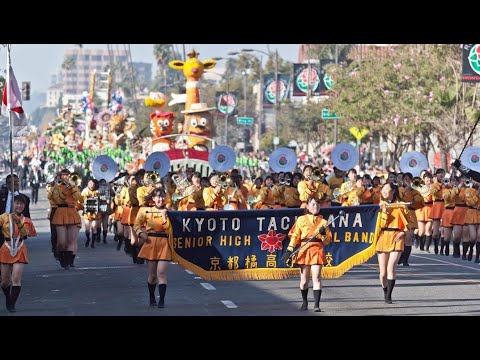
<point>26,90</point>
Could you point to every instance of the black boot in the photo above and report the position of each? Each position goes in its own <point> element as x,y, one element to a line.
<point>119,244</point>
<point>304,298</point>
<point>402,257</point>
<point>465,246</point>
<point>94,236</point>
<point>104,236</point>
<point>162,289</point>
<point>316,295</point>
<point>14,296</point>
<point>477,254</point>
<point>406,253</point>
<point>87,234</point>
<point>384,293</point>
<point>428,240</point>
<point>422,242</point>
<point>447,248</point>
<point>8,299</point>
<point>435,245</point>
<point>456,249</point>
<point>416,241</point>
<point>390,286</point>
<point>442,246</point>
<point>98,235</point>
<point>71,258</point>
<point>64,260</point>
<point>470,251</point>
<point>151,291</point>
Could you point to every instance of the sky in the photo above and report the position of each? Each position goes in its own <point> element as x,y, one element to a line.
<point>36,62</point>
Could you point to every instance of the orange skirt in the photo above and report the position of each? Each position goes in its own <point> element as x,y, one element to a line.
<point>472,217</point>
<point>7,258</point>
<point>424,213</point>
<point>447,218</point>
<point>133,215</point>
<point>125,214</point>
<point>158,249</point>
<point>437,210</point>
<point>311,254</point>
<point>66,216</point>
<point>385,242</point>
<point>458,217</point>
<point>117,215</point>
<point>412,219</point>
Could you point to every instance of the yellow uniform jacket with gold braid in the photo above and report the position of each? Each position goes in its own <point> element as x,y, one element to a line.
<point>212,200</point>
<point>305,190</point>
<point>393,220</point>
<point>66,198</point>
<point>87,193</point>
<point>305,227</point>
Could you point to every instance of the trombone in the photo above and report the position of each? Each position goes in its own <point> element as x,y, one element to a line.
<point>224,180</point>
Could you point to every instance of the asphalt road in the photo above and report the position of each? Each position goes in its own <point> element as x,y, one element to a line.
<point>105,282</point>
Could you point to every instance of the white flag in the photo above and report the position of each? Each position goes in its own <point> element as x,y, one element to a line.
<point>14,103</point>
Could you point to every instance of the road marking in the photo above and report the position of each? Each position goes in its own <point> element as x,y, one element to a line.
<point>189,272</point>
<point>448,262</point>
<point>208,286</point>
<point>197,277</point>
<point>106,267</point>
<point>229,304</point>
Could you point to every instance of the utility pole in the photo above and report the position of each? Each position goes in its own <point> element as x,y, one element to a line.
<point>335,134</point>
<point>275,139</point>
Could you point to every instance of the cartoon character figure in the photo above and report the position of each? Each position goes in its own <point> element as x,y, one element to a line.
<point>193,70</point>
<point>161,124</point>
<point>116,135</point>
<point>156,100</point>
<point>198,121</point>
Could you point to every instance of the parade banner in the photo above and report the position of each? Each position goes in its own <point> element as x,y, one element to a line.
<point>471,63</point>
<point>269,89</point>
<point>301,80</point>
<point>249,244</point>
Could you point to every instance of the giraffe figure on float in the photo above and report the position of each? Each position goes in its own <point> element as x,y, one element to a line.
<point>198,119</point>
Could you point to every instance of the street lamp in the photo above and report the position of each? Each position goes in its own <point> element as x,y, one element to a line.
<point>275,125</point>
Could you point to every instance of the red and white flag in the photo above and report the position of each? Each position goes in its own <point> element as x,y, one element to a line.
<point>14,102</point>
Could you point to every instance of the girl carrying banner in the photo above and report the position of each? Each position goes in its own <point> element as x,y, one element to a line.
<point>311,255</point>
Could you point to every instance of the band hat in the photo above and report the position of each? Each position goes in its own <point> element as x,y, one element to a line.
<point>197,107</point>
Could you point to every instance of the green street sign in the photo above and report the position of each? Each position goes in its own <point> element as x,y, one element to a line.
<point>326,115</point>
<point>245,120</point>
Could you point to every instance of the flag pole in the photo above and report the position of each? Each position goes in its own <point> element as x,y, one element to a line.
<point>10,122</point>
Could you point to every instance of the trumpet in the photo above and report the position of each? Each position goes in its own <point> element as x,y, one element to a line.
<point>281,179</point>
<point>152,178</point>
<point>288,181</point>
<point>317,174</point>
<point>417,182</point>
<point>75,179</point>
<point>224,180</point>
<point>369,186</point>
<point>468,183</point>
<point>446,181</point>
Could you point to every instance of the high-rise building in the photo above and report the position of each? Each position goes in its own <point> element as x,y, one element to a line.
<point>80,63</point>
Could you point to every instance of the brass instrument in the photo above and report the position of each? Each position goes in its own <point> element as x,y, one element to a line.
<point>224,180</point>
<point>91,205</point>
<point>288,181</point>
<point>152,178</point>
<point>468,183</point>
<point>182,184</point>
<point>417,182</point>
<point>75,179</point>
<point>347,188</point>
<point>281,179</point>
<point>317,174</point>
<point>369,186</point>
<point>446,182</point>
<point>397,204</point>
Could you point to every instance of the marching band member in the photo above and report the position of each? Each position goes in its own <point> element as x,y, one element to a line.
<point>53,207</point>
<point>135,207</point>
<point>12,266</point>
<point>266,199</point>
<point>213,196</point>
<point>292,197</point>
<point>377,188</point>
<point>335,179</point>
<point>423,214</point>
<point>310,257</point>
<point>308,186</point>
<point>438,206</point>
<point>66,218</point>
<point>90,216</point>
<point>105,195</point>
<point>458,219</point>
<point>153,228</point>
<point>254,192</point>
<point>471,218</point>
<point>348,186</point>
<point>407,194</point>
<point>364,191</point>
<point>194,201</point>
<point>391,238</point>
<point>448,194</point>
<point>123,229</point>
